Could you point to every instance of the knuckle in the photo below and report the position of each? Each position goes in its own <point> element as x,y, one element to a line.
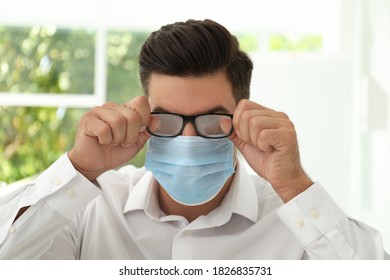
<point>243,103</point>
<point>290,125</point>
<point>87,117</point>
<point>252,122</point>
<point>110,105</point>
<point>263,135</point>
<point>262,140</point>
<point>292,133</point>
<point>140,100</point>
<point>103,130</point>
<point>94,109</point>
<point>104,135</point>
<point>283,115</point>
<point>118,121</point>
<point>133,117</point>
<point>139,103</point>
<point>245,116</point>
<point>241,107</point>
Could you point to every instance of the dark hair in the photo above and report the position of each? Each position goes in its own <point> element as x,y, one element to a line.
<point>196,48</point>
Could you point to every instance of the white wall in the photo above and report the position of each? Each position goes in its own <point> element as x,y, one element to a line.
<point>375,147</point>
<point>315,94</point>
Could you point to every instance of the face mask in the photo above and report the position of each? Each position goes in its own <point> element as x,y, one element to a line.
<point>191,169</point>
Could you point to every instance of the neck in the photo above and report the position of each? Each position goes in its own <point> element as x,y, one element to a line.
<point>171,207</point>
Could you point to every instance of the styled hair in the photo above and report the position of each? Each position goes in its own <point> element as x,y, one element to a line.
<point>196,48</point>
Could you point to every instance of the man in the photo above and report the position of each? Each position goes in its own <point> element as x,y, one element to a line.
<point>194,200</point>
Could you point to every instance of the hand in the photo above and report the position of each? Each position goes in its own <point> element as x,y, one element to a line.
<point>110,135</point>
<point>267,139</point>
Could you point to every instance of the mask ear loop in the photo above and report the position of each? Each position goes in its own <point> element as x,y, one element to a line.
<point>235,155</point>
<point>235,164</point>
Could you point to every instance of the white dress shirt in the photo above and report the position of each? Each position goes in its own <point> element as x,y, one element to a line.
<point>72,218</point>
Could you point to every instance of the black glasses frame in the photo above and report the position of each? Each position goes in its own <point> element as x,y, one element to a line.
<point>191,119</point>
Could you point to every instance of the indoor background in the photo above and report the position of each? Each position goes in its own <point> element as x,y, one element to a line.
<point>326,63</point>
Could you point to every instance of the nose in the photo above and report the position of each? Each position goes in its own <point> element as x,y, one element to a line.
<point>189,130</point>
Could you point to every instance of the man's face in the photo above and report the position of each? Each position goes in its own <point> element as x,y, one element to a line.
<point>191,95</point>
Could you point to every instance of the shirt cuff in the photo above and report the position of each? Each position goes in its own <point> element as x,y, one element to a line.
<point>311,214</point>
<point>63,188</point>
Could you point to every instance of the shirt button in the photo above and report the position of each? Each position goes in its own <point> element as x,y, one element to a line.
<point>314,213</point>
<point>12,229</point>
<point>300,222</point>
<point>57,181</point>
<point>70,192</point>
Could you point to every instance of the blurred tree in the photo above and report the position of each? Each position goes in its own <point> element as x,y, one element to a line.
<point>32,138</point>
<point>304,43</point>
<point>45,59</point>
<point>122,69</point>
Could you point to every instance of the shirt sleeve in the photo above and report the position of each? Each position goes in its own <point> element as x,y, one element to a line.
<point>56,196</point>
<point>325,231</point>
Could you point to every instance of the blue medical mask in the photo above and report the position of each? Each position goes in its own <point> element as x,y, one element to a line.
<point>191,169</point>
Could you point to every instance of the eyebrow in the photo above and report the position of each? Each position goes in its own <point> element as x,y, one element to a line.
<point>216,109</point>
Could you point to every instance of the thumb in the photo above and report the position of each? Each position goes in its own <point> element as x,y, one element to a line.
<point>226,126</point>
<point>237,141</point>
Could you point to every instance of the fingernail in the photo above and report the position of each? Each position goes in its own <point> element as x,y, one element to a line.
<point>142,129</point>
<point>238,134</point>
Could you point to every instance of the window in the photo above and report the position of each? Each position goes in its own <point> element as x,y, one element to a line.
<point>56,68</point>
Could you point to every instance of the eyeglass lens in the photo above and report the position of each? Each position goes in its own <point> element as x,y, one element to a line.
<point>168,125</point>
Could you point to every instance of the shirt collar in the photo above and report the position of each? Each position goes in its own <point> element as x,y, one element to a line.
<point>143,196</point>
<point>240,199</point>
<point>244,191</point>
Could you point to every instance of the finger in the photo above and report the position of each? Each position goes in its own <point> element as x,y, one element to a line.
<point>117,118</point>
<point>266,139</point>
<point>140,105</point>
<point>246,105</point>
<point>94,127</point>
<point>247,110</point>
<point>135,112</point>
<point>277,139</point>
<point>143,137</point>
<point>235,138</point>
<point>133,125</point>
<point>257,125</point>
<point>259,141</point>
<point>254,121</point>
<point>226,125</point>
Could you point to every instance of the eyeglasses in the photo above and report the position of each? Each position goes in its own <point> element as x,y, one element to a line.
<point>205,125</point>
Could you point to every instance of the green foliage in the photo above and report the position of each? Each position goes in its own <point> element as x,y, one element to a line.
<point>248,42</point>
<point>280,42</point>
<point>44,59</point>
<point>33,138</point>
<point>122,69</point>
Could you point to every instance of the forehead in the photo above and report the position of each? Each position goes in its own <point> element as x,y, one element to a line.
<point>190,95</point>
